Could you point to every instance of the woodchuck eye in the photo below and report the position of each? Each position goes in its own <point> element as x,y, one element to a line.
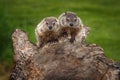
<point>53,23</point>
<point>46,23</point>
<point>68,19</point>
<point>75,19</point>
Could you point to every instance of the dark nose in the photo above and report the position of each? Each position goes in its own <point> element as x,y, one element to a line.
<point>71,24</point>
<point>50,27</point>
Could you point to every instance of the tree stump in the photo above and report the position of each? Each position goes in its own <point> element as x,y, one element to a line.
<point>60,61</point>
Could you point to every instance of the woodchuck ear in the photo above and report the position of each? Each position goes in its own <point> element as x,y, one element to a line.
<point>45,19</point>
<point>65,12</point>
<point>56,20</point>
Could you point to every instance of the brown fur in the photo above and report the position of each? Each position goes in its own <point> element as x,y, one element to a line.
<point>48,36</point>
<point>65,31</point>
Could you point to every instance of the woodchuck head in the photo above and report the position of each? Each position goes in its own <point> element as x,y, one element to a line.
<point>51,23</point>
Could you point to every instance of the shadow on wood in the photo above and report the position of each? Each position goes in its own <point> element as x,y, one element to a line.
<point>60,61</point>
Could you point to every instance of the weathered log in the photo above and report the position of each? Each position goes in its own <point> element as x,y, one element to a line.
<point>60,61</point>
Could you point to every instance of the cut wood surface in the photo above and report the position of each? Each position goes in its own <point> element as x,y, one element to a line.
<point>60,61</point>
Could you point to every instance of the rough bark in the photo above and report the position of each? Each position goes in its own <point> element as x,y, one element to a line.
<point>60,61</point>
